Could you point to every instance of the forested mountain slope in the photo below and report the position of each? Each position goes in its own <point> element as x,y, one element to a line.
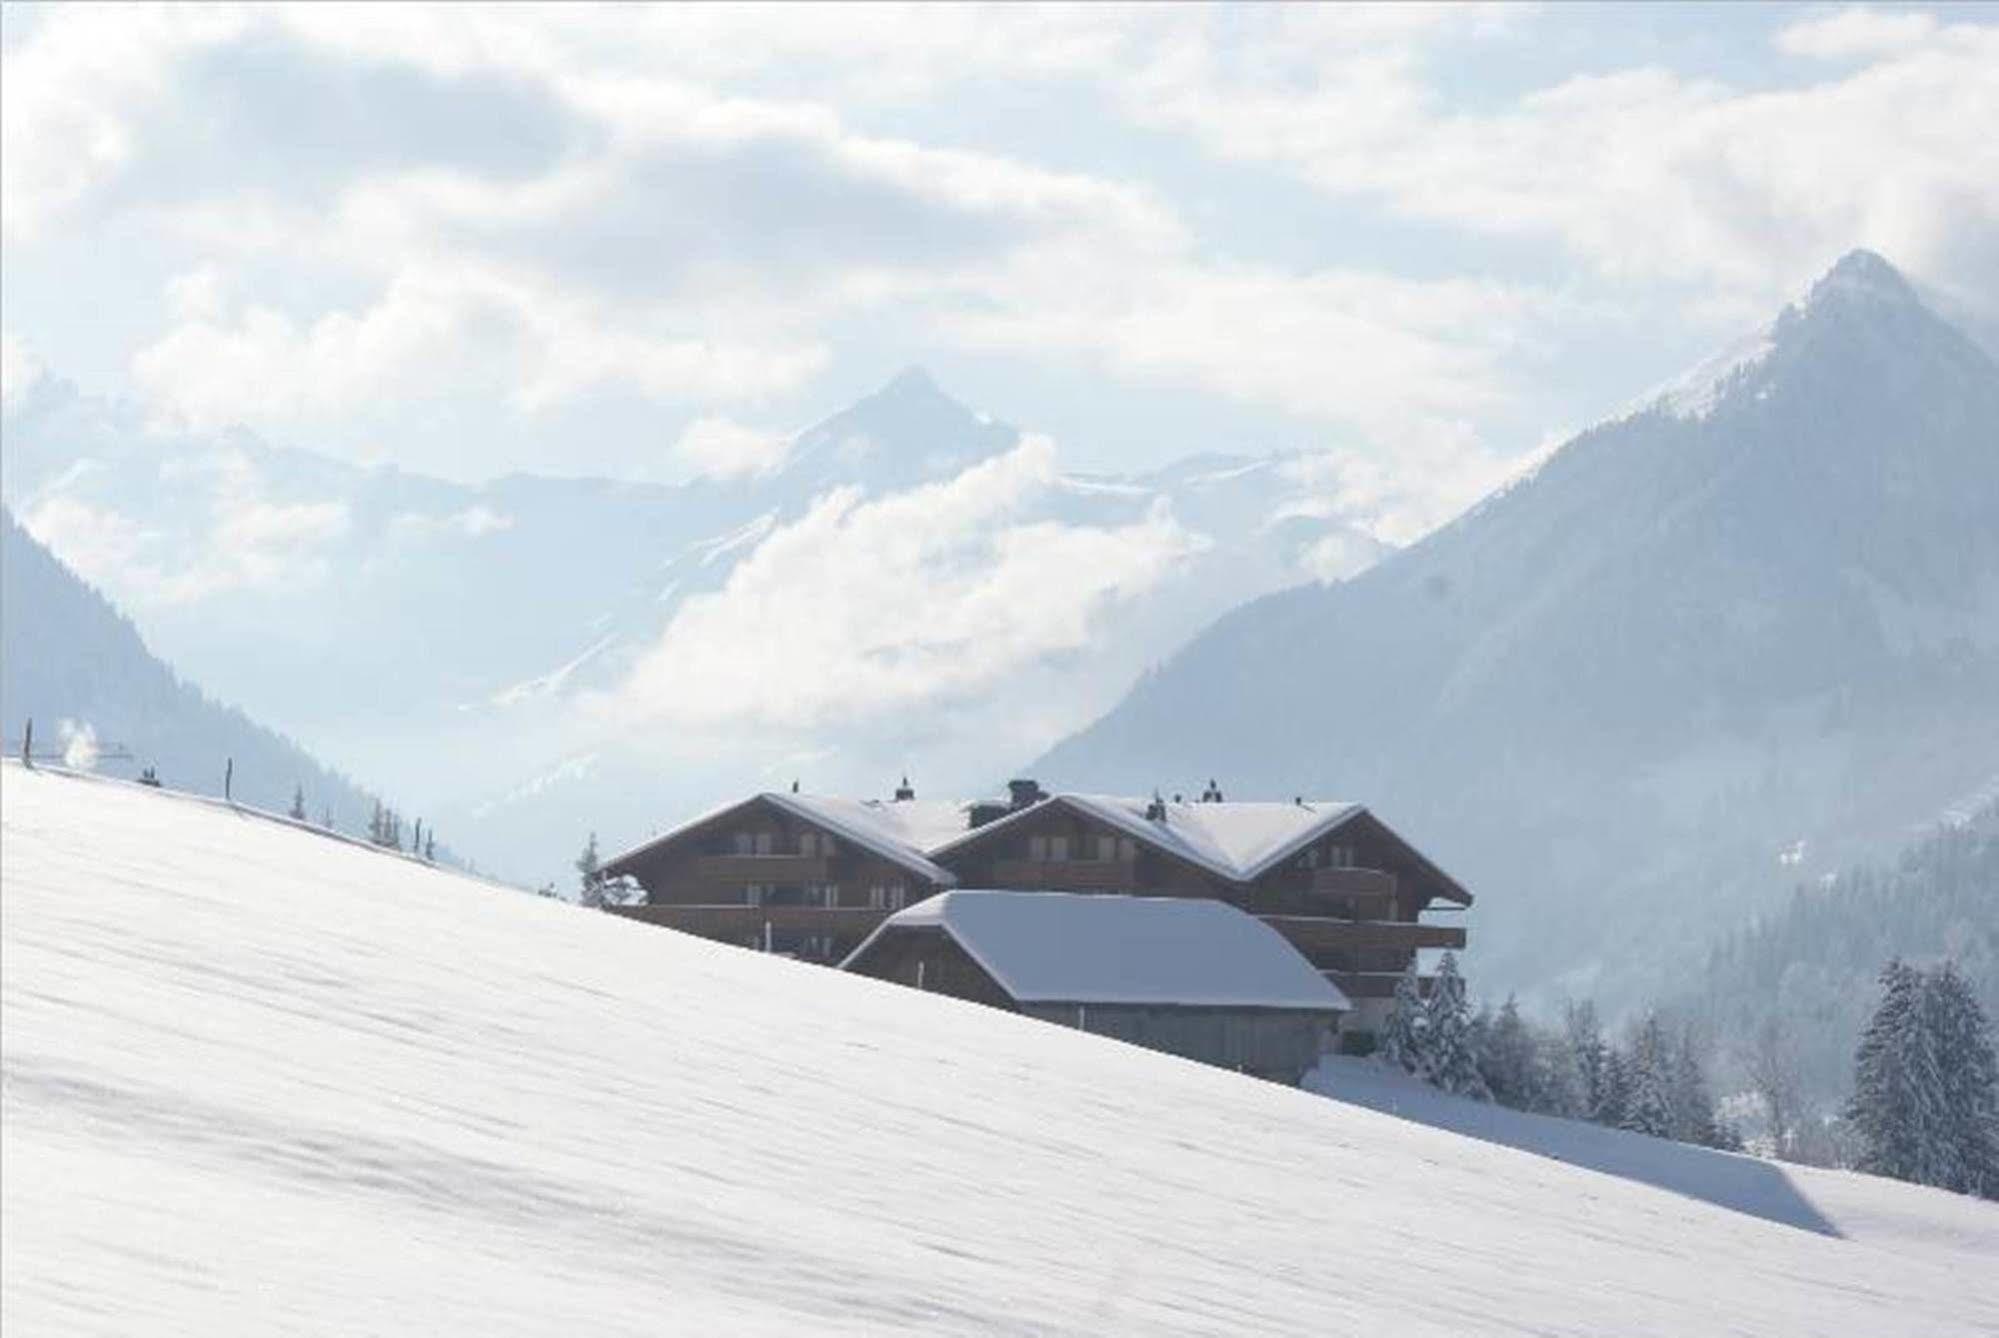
<point>1746,633</point>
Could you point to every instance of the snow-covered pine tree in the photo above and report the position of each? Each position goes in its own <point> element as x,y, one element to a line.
<point>298,803</point>
<point>1511,1061</point>
<point>1401,1040</point>
<point>1648,1109</point>
<point>1894,1088</point>
<point>589,882</point>
<point>1614,1095</point>
<point>1588,1059</point>
<point>1966,1158</point>
<point>1450,1058</point>
<point>1694,1118</point>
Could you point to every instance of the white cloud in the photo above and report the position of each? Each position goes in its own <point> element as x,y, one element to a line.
<point>717,447</point>
<point>246,539</point>
<point>1857,31</point>
<point>19,369</point>
<point>1641,172</point>
<point>866,607</point>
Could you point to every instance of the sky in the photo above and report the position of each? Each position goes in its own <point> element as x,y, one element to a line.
<point>653,242</point>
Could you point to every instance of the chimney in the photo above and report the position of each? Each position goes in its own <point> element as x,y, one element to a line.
<point>984,811</point>
<point>903,793</point>
<point>1022,793</point>
<point>1156,810</point>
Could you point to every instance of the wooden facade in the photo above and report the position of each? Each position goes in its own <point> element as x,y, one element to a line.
<point>773,873</point>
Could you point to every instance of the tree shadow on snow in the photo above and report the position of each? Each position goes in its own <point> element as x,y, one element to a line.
<point>1740,1183</point>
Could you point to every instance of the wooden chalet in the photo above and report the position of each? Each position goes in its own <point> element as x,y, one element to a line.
<point>814,876</point>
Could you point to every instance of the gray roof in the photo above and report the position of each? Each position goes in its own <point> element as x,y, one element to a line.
<point>1060,947</point>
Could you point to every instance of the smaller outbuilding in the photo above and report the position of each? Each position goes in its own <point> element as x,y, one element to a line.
<point>1188,976</point>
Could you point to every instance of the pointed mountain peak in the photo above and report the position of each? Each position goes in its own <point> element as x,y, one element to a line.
<point>911,382</point>
<point>1866,276</point>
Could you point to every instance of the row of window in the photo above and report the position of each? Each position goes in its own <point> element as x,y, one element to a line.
<point>881,897</point>
<point>1332,857</point>
<point>765,843</point>
<point>1103,849</point>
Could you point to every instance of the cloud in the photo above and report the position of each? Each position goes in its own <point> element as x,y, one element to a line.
<point>1641,172</point>
<point>718,447</point>
<point>861,608</point>
<point>20,369</point>
<point>245,540</point>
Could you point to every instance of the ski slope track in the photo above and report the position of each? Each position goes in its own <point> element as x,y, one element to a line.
<point>260,1081</point>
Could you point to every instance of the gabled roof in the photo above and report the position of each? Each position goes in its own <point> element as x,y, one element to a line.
<point>896,831</point>
<point>1061,947</point>
<point>1238,842</point>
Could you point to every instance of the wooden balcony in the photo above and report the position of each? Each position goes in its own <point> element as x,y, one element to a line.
<point>761,868</point>
<point>733,922</point>
<point>1372,984</point>
<point>1310,932</point>
<point>1354,882</point>
<point>1064,875</point>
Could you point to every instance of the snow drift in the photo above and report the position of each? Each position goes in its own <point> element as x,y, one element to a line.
<point>259,1080</point>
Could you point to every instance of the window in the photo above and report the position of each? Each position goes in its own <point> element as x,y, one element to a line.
<point>1058,847</point>
<point>744,843</point>
<point>1103,848</point>
<point>877,897</point>
<point>754,893</point>
<point>828,894</point>
<point>1127,849</point>
<point>897,894</point>
<point>808,843</point>
<point>1037,848</point>
<point>765,843</point>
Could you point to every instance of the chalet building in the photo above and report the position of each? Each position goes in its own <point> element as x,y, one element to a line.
<point>814,876</point>
<point>1189,976</point>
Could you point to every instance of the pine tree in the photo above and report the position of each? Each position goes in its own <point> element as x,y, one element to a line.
<point>1648,1109</point>
<point>1588,1060</point>
<point>1694,1119</point>
<point>1614,1095</point>
<point>1450,1059</point>
<point>1966,1156</point>
<point>590,887</point>
<point>1892,1092</point>
<point>1402,1035</point>
<point>377,828</point>
<point>1511,1061</point>
<point>298,803</point>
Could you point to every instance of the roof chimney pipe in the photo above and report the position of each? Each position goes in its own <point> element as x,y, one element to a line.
<point>903,793</point>
<point>1023,793</point>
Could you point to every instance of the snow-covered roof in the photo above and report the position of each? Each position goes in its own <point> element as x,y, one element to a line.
<point>1063,947</point>
<point>897,830</point>
<point>1234,841</point>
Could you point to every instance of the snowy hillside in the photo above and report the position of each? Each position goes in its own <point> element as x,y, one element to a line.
<point>436,636</point>
<point>257,1080</point>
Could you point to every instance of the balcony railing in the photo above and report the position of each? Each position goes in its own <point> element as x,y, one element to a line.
<point>1373,984</point>
<point>1064,875</point>
<point>761,868</point>
<point>1309,932</point>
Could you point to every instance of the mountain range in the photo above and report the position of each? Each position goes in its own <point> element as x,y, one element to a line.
<point>447,640</point>
<point>1740,635</point>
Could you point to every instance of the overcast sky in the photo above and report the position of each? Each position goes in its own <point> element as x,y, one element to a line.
<point>633,241</point>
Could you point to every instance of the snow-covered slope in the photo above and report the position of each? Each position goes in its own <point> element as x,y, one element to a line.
<point>260,1081</point>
